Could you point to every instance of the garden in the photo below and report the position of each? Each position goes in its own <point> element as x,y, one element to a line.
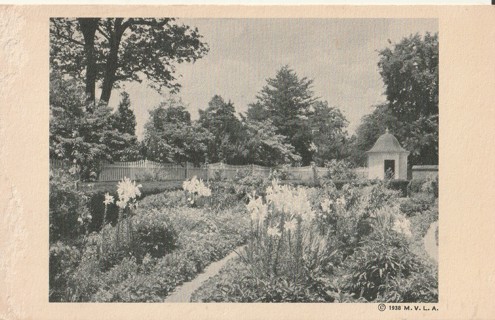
<point>361,241</point>
<point>241,237</point>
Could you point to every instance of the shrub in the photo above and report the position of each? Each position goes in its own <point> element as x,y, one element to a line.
<point>97,209</point>
<point>246,182</point>
<point>379,197</point>
<point>223,195</point>
<point>415,186</point>
<point>86,278</point>
<point>169,199</point>
<point>421,223</point>
<point>382,258</point>
<point>421,286</point>
<point>339,170</point>
<point>281,173</point>
<point>430,186</point>
<point>236,283</point>
<point>68,211</point>
<point>153,235</point>
<point>416,204</point>
<point>64,260</point>
<point>399,185</point>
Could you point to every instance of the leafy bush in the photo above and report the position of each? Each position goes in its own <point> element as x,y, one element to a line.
<point>418,203</point>
<point>382,258</point>
<point>421,286</point>
<point>379,197</point>
<point>223,195</point>
<point>69,214</point>
<point>247,182</point>
<point>421,223</point>
<point>430,186</point>
<point>415,186</point>
<point>64,260</point>
<point>281,173</point>
<point>399,185</point>
<point>154,235</point>
<point>339,170</point>
<point>236,283</point>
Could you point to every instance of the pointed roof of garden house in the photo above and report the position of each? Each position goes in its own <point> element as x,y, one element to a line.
<point>387,142</point>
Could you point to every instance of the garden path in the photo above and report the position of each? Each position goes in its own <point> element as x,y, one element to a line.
<point>430,242</point>
<point>184,292</point>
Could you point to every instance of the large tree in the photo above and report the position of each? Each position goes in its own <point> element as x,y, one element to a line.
<point>220,119</point>
<point>77,136</point>
<point>123,120</point>
<point>261,145</point>
<point>410,73</point>
<point>287,100</point>
<point>112,50</point>
<point>329,135</point>
<point>82,138</point>
<point>170,136</point>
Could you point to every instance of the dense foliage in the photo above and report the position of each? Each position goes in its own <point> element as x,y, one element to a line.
<point>171,243</point>
<point>315,130</point>
<point>317,245</point>
<point>410,72</point>
<point>338,238</point>
<point>86,135</point>
<point>171,137</point>
<point>112,50</point>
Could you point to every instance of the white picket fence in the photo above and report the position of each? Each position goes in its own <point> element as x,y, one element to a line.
<point>150,170</point>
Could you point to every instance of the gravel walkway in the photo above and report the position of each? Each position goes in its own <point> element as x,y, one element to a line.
<point>430,242</point>
<point>184,292</point>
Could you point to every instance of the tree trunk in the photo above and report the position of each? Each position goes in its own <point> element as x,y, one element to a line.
<point>112,61</point>
<point>88,29</point>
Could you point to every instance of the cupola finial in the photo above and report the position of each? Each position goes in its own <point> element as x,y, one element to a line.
<point>386,130</point>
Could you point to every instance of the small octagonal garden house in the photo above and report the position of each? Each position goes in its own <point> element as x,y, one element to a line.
<point>387,158</point>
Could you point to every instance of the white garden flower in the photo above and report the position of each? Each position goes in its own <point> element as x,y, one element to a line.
<point>290,226</point>
<point>127,190</point>
<point>257,209</point>
<point>273,232</point>
<point>402,225</point>
<point>121,204</point>
<point>108,199</point>
<point>290,201</point>
<point>197,187</point>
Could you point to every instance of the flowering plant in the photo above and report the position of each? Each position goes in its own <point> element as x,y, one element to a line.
<point>128,192</point>
<point>283,230</point>
<point>195,188</point>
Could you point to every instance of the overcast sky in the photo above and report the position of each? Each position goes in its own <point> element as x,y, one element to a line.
<point>340,55</point>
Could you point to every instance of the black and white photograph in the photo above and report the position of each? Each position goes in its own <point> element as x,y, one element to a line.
<point>248,160</point>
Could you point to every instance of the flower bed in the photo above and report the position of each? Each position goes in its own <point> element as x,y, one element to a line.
<point>171,243</point>
<point>350,243</point>
<point>326,245</point>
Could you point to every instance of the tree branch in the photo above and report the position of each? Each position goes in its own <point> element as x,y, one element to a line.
<point>70,39</point>
<point>103,33</point>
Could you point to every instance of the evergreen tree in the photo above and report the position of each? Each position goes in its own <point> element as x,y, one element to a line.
<point>220,119</point>
<point>124,118</point>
